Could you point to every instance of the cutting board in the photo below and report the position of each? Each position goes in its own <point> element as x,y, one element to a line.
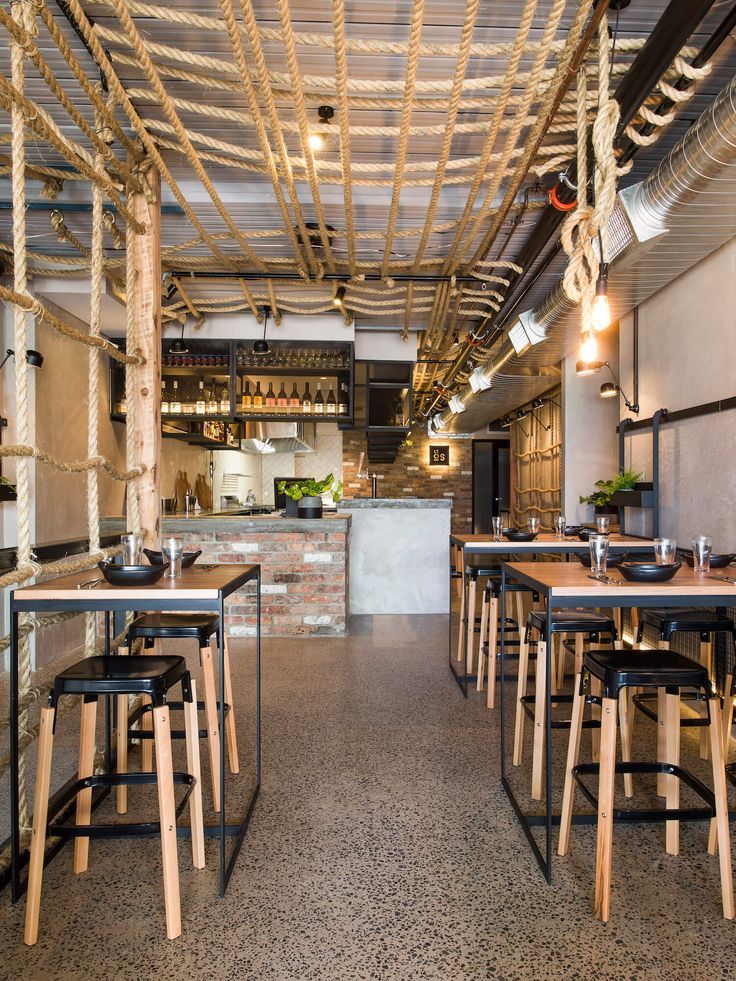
<point>181,488</point>
<point>203,492</point>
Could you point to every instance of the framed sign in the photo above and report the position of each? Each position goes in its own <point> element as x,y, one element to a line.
<point>439,456</point>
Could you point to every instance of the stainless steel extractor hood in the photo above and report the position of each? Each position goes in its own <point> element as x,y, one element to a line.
<point>279,437</point>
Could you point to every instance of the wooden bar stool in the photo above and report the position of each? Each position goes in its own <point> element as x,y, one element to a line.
<point>617,671</point>
<point>668,622</point>
<point>470,624</point>
<point>120,676</point>
<point>202,627</point>
<point>489,628</point>
<point>581,623</point>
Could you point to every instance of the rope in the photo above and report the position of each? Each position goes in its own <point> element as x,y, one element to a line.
<point>93,464</point>
<point>131,342</point>
<point>341,78</point>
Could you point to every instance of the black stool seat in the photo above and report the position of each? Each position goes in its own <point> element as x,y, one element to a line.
<point>121,675</point>
<point>641,669</point>
<point>494,586</point>
<point>572,622</point>
<point>685,620</point>
<point>479,570</point>
<point>163,626</point>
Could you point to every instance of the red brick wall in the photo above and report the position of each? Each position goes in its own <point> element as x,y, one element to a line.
<point>412,476</point>
<point>304,579</point>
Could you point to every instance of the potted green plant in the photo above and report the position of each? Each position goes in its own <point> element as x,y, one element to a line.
<point>601,498</point>
<point>306,495</point>
<point>7,490</point>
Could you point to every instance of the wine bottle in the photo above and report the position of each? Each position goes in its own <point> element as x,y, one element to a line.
<point>175,404</point>
<point>270,398</point>
<point>201,406</point>
<point>224,401</point>
<point>319,402</point>
<point>164,398</point>
<point>342,403</point>
<point>294,400</point>
<point>258,398</point>
<point>307,401</point>
<point>246,399</point>
<point>331,405</point>
<point>282,402</point>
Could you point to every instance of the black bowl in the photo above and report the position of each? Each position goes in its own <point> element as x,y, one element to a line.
<point>519,535</point>
<point>572,530</point>
<point>611,562</point>
<point>132,575</point>
<point>585,533</point>
<point>648,571</point>
<point>716,561</point>
<point>187,559</point>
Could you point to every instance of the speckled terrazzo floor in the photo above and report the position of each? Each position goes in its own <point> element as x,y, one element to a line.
<point>382,847</point>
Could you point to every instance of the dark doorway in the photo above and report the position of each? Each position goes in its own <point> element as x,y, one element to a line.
<point>491,482</point>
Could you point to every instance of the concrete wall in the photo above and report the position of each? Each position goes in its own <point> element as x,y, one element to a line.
<point>687,356</point>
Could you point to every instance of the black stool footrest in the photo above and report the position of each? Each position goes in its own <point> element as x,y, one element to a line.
<point>527,704</point>
<point>175,733</point>
<point>651,815</point>
<point>644,700</point>
<point>118,830</point>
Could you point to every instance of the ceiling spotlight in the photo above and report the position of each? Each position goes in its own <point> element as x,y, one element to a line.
<point>601,313</point>
<point>506,423</point>
<point>318,139</point>
<point>537,403</point>
<point>34,359</point>
<point>588,347</point>
<point>339,296</point>
<point>260,347</point>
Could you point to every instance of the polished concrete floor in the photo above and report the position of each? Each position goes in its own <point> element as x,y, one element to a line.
<point>382,847</point>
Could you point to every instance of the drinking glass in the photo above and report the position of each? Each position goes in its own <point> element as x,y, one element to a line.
<point>533,525</point>
<point>665,551</point>
<point>560,525</point>
<point>602,523</point>
<point>132,548</point>
<point>497,528</point>
<point>702,548</point>
<point>172,550</point>
<point>598,553</point>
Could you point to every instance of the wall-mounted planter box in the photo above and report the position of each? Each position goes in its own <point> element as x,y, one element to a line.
<point>7,493</point>
<point>642,496</point>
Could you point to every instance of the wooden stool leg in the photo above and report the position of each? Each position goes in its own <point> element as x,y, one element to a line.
<point>606,796</point>
<point>459,567</point>
<point>672,755</point>
<point>213,730</point>
<point>86,769</point>
<point>706,654</point>
<point>461,624</point>
<point>470,643</point>
<point>40,818</point>
<point>146,724</point>
<point>719,825</point>
<point>554,662</point>
<point>191,727</point>
<point>661,738</point>
<point>540,704</point>
<point>121,752</point>
<point>230,730</point>
<point>492,651</point>
<point>624,707</point>
<point>167,816</point>
<point>595,712</point>
<point>521,684</point>
<point>573,753</point>
<point>728,701</point>
<point>482,646</point>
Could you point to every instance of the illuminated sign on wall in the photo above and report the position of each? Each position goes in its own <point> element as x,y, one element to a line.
<point>439,456</point>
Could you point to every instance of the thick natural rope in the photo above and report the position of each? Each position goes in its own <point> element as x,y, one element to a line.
<point>131,342</point>
<point>93,464</point>
<point>341,78</point>
<point>577,231</point>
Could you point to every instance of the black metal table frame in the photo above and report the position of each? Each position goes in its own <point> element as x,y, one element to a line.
<point>647,597</point>
<point>91,602</point>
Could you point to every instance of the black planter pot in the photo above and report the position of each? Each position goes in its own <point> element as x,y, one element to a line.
<point>292,508</point>
<point>607,509</point>
<point>310,507</point>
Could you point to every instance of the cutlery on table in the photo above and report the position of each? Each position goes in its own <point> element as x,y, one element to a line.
<point>606,579</point>
<point>90,583</point>
<point>722,579</point>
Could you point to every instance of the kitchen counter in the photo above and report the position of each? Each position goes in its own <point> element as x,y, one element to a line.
<point>222,521</point>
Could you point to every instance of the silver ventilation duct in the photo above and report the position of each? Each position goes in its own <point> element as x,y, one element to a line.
<point>659,229</point>
<point>279,437</point>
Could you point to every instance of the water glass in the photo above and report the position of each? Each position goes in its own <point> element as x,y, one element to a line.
<point>172,550</point>
<point>132,548</point>
<point>598,553</point>
<point>533,525</point>
<point>602,523</point>
<point>497,528</point>
<point>665,551</point>
<point>560,525</point>
<point>702,548</point>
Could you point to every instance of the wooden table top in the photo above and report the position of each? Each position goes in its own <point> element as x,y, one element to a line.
<point>561,579</point>
<point>548,540</point>
<point>200,582</point>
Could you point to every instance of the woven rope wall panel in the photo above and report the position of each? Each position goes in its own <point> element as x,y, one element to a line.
<point>535,466</point>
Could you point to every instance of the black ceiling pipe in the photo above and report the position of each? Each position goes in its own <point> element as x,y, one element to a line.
<point>670,34</point>
<point>328,277</point>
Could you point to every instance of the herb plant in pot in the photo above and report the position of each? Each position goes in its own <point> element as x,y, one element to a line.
<point>601,497</point>
<point>306,495</point>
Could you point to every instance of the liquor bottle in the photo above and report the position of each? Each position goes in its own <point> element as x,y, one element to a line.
<point>201,406</point>
<point>246,399</point>
<point>211,398</point>
<point>307,401</point>
<point>319,402</point>
<point>282,402</point>
<point>331,405</point>
<point>258,398</point>
<point>164,398</point>
<point>175,404</point>
<point>188,400</point>
<point>342,403</point>
<point>224,401</point>
<point>294,401</point>
<point>270,398</point>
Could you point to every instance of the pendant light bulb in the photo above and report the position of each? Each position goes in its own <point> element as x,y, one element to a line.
<point>601,313</point>
<point>588,348</point>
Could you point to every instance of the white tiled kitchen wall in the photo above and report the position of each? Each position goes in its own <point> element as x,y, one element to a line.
<point>326,458</point>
